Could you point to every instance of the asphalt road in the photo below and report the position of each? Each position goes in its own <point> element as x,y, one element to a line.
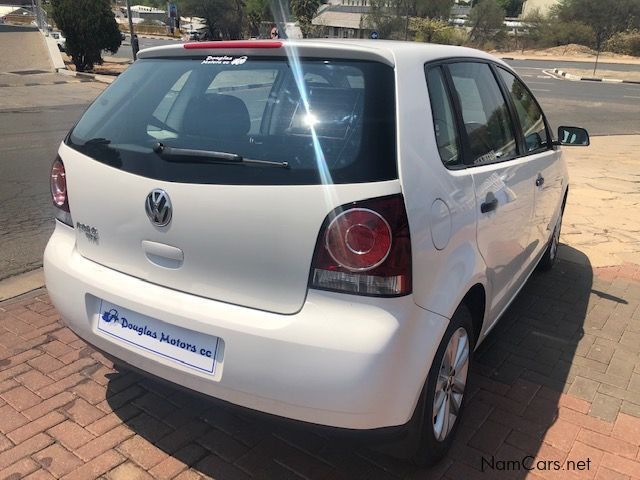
<point>601,108</point>
<point>31,133</point>
<point>125,49</point>
<point>28,145</point>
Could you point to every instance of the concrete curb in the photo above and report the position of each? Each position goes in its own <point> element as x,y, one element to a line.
<point>158,37</point>
<point>54,52</point>
<point>93,76</point>
<point>20,284</point>
<point>570,76</point>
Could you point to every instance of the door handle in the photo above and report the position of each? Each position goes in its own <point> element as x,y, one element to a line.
<point>539,181</point>
<point>489,205</point>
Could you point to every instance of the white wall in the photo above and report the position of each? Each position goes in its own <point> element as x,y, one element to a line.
<point>542,6</point>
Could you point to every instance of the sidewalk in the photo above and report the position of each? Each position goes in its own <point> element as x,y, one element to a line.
<point>24,51</point>
<point>558,379</point>
<point>601,218</point>
<point>64,410</point>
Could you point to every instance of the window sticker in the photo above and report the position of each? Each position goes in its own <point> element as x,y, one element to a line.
<point>488,157</point>
<point>224,60</point>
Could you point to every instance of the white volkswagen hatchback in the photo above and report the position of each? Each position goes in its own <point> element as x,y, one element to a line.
<point>320,230</point>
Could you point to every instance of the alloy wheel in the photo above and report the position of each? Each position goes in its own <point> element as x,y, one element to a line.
<point>450,385</point>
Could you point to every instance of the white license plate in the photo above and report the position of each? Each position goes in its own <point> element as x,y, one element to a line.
<point>187,347</point>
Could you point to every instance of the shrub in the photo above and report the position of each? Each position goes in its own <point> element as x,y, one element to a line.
<point>436,31</point>
<point>564,33</point>
<point>627,43</point>
<point>543,32</point>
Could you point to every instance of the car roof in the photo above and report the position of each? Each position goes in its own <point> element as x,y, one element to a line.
<point>389,51</point>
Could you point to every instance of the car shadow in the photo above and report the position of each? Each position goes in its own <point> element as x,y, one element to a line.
<point>520,374</point>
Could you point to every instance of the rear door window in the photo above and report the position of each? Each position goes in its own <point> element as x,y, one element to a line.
<point>485,113</point>
<point>331,121</point>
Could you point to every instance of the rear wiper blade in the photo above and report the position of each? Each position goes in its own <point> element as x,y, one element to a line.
<point>96,141</point>
<point>210,156</point>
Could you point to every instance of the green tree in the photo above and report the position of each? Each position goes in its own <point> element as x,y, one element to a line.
<point>388,18</point>
<point>304,11</point>
<point>512,8</point>
<point>224,18</point>
<point>256,12</point>
<point>486,19</point>
<point>89,27</point>
<point>440,9</point>
<point>605,18</point>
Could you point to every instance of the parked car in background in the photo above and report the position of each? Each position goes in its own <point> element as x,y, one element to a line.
<point>34,23</point>
<point>326,237</point>
<point>60,40</point>
<point>197,35</point>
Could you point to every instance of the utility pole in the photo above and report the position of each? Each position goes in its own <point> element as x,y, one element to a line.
<point>406,20</point>
<point>598,46</point>
<point>595,66</point>
<point>133,49</point>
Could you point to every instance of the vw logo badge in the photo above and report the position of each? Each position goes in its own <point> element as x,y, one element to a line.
<point>158,207</point>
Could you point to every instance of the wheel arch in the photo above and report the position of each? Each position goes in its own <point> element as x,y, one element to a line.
<point>476,301</point>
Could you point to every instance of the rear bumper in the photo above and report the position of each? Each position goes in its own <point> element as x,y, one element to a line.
<point>341,361</point>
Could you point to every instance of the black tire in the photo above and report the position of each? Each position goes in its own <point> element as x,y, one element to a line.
<point>431,449</point>
<point>550,255</point>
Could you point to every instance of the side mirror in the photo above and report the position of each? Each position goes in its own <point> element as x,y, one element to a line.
<point>573,136</point>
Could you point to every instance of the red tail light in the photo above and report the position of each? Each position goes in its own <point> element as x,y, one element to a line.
<point>365,248</point>
<point>59,191</point>
<point>59,185</point>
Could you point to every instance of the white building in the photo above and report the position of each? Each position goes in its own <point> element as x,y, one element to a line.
<point>542,6</point>
<point>346,18</point>
<point>342,18</point>
<point>141,13</point>
<point>13,10</point>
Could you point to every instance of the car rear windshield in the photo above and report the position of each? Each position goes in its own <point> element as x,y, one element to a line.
<point>246,121</point>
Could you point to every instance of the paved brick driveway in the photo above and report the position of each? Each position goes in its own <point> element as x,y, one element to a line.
<point>558,379</point>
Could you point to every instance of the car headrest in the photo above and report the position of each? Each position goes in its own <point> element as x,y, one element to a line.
<point>216,115</point>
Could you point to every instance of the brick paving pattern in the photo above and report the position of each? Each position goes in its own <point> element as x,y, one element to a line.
<point>558,380</point>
